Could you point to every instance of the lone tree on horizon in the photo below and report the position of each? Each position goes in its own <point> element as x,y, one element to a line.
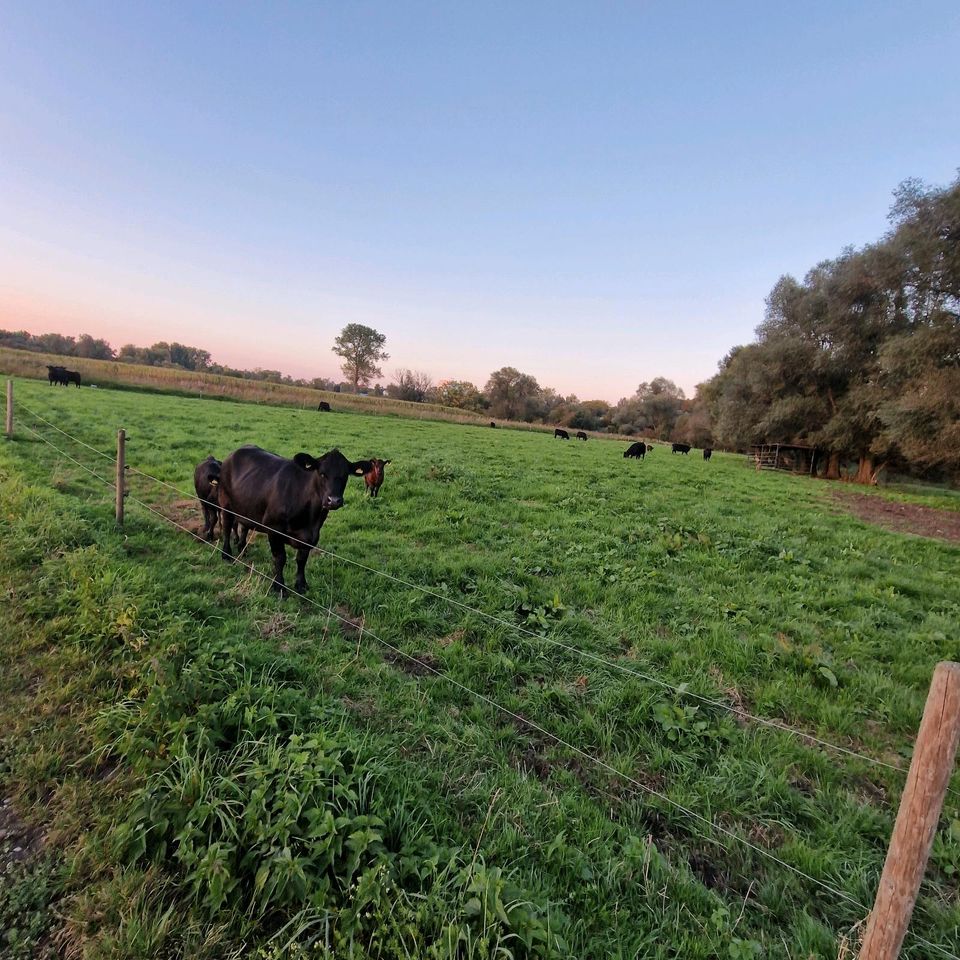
<point>362,349</point>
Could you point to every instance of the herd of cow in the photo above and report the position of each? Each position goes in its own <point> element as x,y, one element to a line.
<point>62,377</point>
<point>639,450</point>
<point>636,450</point>
<point>289,500</point>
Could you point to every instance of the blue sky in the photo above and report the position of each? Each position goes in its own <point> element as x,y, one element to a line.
<point>595,193</point>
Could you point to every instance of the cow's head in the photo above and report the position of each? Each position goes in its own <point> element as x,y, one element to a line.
<point>330,474</point>
<point>375,470</point>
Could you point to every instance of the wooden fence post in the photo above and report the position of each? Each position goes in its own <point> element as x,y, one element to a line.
<point>10,409</point>
<point>121,469</point>
<point>916,825</point>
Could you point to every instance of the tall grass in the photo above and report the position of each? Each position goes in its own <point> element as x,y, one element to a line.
<point>108,373</point>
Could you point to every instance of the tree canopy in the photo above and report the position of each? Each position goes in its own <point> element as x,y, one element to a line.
<point>513,395</point>
<point>361,348</point>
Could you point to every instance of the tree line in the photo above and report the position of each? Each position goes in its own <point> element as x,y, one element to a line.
<point>161,354</point>
<point>657,409</point>
<point>860,359</point>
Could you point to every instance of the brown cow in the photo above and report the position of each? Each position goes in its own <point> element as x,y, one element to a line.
<point>373,475</point>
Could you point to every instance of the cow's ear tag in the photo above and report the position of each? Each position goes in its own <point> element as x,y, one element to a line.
<point>305,460</point>
<point>358,471</point>
<point>214,483</point>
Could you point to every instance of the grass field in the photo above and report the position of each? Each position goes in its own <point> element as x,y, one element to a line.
<point>213,772</point>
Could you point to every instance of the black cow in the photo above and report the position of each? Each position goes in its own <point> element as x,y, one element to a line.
<point>373,474</point>
<point>206,481</point>
<point>492,424</point>
<point>707,453</point>
<point>681,448</point>
<point>562,434</point>
<point>287,499</point>
<point>581,435</point>
<point>324,406</point>
<point>56,375</point>
<point>71,377</point>
<point>636,450</point>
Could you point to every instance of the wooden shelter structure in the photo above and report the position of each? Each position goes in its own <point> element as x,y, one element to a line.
<point>795,457</point>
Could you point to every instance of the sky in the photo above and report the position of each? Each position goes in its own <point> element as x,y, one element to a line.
<point>595,193</point>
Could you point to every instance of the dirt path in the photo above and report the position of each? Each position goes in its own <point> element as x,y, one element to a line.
<point>902,517</point>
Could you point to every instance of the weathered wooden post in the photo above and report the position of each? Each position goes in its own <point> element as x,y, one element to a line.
<point>121,469</point>
<point>9,409</point>
<point>920,805</point>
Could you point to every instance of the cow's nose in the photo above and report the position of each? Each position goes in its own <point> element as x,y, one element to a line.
<point>334,503</point>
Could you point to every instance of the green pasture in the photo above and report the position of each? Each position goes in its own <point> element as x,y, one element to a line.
<point>220,773</point>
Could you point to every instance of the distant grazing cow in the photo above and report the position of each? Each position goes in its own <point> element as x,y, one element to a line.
<point>681,448</point>
<point>636,450</point>
<point>72,377</point>
<point>287,499</point>
<point>324,406</point>
<point>56,375</point>
<point>707,453</point>
<point>206,481</point>
<point>562,434</point>
<point>492,424</point>
<point>373,474</point>
<point>581,435</point>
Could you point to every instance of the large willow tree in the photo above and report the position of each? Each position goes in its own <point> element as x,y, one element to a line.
<point>861,358</point>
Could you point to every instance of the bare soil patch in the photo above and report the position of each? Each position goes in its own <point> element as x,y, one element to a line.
<point>902,517</point>
<point>18,842</point>
<point>186,513</point>
<point>416,664</point>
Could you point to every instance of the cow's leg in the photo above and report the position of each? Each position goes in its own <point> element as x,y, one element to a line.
<point>213,514</point>
<point>243,534</point>
<point>300,583</point>
<point>226,527</point>
<point>279,550</point>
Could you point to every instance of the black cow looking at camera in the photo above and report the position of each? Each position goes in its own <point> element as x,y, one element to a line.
<point>286,499</point>
<point>562,434</point>
<point>324,407</point>
<point>707,453</point>
<point>493,424</point>
<point>581,435</point>
<point>681,448</point>
<point>206,481</point>
<point>636,450</point>
<point>56,375</point>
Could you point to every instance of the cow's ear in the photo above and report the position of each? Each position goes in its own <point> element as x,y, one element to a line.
<point>361,467</point>
<point>385,462</point>
<point>306,461</point>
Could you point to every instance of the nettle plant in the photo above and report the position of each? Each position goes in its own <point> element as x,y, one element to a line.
<point>269,825</point>
<point>539,615</point>
<point>691,723</point>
